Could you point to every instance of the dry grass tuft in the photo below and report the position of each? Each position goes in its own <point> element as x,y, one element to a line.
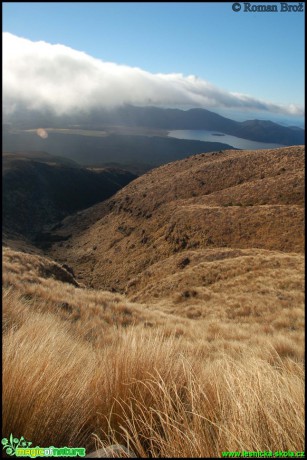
<point>227,405</point>
<point>47,383</point>
<point>148,392</point>
<point>199,348</point>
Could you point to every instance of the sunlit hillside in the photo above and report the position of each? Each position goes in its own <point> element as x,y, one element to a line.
<point>232,199</point>
<point>171,320</point>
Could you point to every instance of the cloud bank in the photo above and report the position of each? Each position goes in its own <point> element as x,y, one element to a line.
<point>40,75</point>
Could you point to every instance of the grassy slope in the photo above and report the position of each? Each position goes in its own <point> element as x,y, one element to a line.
<point>204,352</point>
<point>189,381</point>
<point>250,199</point>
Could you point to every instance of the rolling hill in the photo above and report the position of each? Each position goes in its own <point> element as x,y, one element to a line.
<point>234,199</point>
<point>169,317</point>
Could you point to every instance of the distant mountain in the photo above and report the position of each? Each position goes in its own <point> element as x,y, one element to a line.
<point>255,130</point>
<point>266,131</point>
<point>169,119</point>
<point>40,189</point>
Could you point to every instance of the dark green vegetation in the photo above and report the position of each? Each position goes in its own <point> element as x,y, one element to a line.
<point>41,189</point>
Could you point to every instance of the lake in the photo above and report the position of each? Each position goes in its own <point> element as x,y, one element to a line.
<point>215,136</point>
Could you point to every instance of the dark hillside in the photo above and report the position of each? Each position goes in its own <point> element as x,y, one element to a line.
<point>40,189</point>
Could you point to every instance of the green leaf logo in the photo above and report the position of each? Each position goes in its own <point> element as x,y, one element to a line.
<point>12,444</point>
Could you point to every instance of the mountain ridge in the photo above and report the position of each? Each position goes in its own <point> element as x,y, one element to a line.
<point>164,118</point>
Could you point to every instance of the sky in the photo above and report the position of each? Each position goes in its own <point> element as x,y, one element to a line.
<point>72,55</point>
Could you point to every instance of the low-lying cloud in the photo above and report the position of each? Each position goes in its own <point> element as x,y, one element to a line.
<point>40,75</point>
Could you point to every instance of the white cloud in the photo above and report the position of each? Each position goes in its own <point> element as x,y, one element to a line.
<point>41,75</point>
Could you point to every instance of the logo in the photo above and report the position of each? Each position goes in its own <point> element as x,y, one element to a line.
<point>11,446</point>
<point>236,7</point>
<point>21,448</point>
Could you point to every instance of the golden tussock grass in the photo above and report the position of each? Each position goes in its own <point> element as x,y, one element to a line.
<point>202,350</point>
<point>210,302</point>
<point>46,383</point>
<point>162,387</point>
<point>149,392</point>
<point>92,314</point>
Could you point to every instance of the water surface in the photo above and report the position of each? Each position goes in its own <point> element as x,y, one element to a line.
<point>216,136</point>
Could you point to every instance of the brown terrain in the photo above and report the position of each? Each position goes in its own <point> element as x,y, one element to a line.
<point>195,207</point>
<point>168,318</point>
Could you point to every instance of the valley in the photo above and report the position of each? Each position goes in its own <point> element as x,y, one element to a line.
<point>174,305</point>
<point>153,230</point>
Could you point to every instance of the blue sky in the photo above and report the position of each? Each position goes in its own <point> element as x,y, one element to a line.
<point>257,54</point>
